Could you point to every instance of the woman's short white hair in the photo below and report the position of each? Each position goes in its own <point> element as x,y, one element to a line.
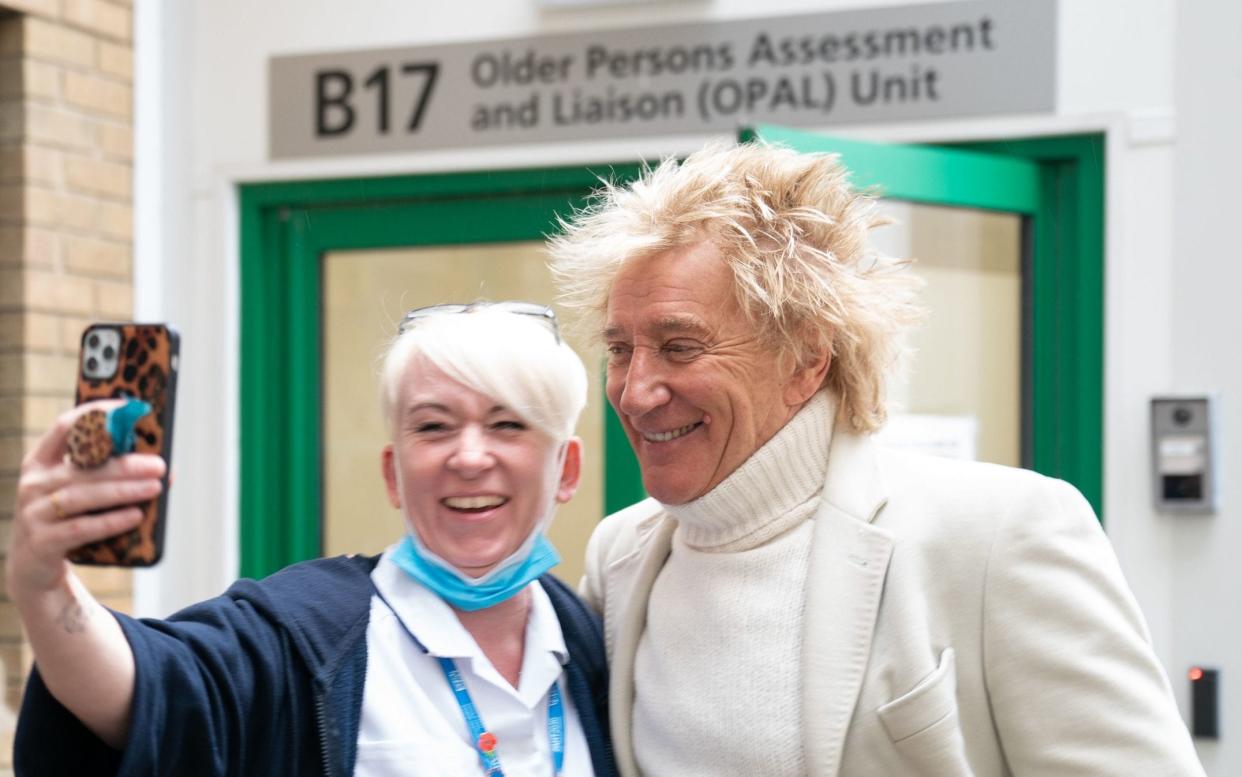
<point>513,358</point>
<point>795,236</point>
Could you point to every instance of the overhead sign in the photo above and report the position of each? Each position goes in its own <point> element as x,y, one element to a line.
<point>874,65</point>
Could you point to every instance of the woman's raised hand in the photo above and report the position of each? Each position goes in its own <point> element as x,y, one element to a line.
<point>61,506</point>
<point>82,654</point>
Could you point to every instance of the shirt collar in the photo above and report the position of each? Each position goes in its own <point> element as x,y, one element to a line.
<point>543,628</point>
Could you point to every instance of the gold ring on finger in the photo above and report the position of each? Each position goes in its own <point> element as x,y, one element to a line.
<point>60,511</point>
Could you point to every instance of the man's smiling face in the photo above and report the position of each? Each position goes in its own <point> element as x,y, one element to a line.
<point>697,389</point>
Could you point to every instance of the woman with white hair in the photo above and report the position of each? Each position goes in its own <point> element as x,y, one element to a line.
<point>452,653</point>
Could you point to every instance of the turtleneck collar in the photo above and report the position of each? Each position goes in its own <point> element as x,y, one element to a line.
<point>770,493</point>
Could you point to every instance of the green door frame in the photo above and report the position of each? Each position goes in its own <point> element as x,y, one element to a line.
<point>1067,308</point>
<point>287,227</point>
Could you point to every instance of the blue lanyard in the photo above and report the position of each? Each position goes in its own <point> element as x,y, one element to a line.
<point>484,742</point>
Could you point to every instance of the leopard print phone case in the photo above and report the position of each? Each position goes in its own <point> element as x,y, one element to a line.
<point>146,358</point>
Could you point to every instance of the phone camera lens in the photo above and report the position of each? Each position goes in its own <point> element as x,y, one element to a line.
<point>92,364</point>
<point>109,352</point>
<point>1182,416</point>
<point>93,341</point>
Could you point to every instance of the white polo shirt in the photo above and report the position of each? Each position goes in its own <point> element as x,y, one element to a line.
<point>411,722</point>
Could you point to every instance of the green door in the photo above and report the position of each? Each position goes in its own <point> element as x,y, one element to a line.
<point>328,267</point>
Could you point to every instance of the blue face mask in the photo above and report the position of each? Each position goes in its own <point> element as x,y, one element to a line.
<point>533,559</point>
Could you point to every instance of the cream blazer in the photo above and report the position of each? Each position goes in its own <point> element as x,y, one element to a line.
<point>962,620</point>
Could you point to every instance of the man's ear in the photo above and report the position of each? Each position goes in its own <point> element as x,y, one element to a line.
<point>388,463</point>
<point>808,375</point>
<point>571,471</point>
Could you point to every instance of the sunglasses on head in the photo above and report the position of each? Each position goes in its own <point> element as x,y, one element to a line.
<point>545,314</point>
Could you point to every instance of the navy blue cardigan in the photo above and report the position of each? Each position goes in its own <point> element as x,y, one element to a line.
<point>267,679</point>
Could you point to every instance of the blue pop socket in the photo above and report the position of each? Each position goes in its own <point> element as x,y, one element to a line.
<point>121,423</point>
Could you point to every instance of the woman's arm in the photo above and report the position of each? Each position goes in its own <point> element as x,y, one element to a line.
<point>81,652</point>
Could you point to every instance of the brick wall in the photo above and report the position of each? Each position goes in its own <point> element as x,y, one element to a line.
<point>66,213</point>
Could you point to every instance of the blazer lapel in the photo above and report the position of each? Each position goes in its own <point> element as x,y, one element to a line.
<point>632,620</point>
<point>849,560</point>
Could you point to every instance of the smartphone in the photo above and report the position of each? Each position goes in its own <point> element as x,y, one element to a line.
<point>139,361</point>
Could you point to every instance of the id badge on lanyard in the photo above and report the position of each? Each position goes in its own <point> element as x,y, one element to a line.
<point>483,741</point>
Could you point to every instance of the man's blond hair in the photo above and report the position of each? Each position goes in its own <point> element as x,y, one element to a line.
<point>795,235</point>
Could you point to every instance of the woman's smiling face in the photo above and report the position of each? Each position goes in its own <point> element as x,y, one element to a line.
<point>472,478</point>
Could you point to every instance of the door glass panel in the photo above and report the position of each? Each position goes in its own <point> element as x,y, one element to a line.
<point>365,294</point>
<point>963,392</point>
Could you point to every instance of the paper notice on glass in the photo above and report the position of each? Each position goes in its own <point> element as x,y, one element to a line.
<point>951,436</point>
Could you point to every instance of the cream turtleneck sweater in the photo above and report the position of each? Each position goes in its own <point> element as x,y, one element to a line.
<point>718,668</point>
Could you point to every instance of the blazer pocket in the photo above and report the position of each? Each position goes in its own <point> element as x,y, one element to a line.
<point>931,701</point>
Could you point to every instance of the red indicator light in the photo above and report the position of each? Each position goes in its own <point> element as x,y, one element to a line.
<point>1195,674</point>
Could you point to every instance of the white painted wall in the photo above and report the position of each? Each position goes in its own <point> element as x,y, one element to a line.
<point>1135,69</point>
<point>1205,277</point>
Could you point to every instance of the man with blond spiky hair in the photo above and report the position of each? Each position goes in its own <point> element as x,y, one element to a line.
<point>792,599</point>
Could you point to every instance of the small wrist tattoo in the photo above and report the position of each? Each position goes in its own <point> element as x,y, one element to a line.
<point>73,618</point>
